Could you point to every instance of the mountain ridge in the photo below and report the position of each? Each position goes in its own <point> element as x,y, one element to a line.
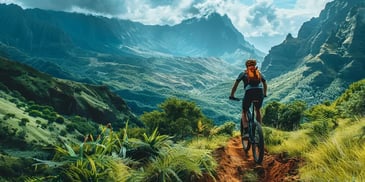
<point>106,35</point>
<point>315,66</point>
<point>97,103</point>
<point>327,55</point>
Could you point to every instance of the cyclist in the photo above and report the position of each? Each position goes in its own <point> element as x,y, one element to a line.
<point>255,88</point>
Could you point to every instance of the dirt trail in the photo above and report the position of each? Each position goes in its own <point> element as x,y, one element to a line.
<point>236,166</point>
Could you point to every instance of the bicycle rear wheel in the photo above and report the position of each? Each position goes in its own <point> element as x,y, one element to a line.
<point>246,144</point>
<point>258,143</point>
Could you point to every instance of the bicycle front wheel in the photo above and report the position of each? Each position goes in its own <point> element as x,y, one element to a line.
<point>258,143</point>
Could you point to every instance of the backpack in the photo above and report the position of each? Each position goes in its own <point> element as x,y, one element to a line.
<point>253,77</point>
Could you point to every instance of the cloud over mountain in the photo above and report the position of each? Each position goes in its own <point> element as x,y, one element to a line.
<point>263,22</point>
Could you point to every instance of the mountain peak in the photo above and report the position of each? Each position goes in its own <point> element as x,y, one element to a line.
<point>328,51</point>
<point>211,17</point>
<point>61,33</point>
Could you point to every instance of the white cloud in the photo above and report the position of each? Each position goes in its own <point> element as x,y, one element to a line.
<point>253,18</point>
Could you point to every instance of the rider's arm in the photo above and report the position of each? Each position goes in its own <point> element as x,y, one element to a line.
<point>265,88</point>
<point>234,88</point>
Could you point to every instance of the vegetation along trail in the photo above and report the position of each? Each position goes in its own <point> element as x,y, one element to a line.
<point>235,165</point>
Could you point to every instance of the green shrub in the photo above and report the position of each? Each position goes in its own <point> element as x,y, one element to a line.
<point>44,125</point>
<point>13,100</point>
<point>352,102</point>
<point>60,120</point>
<point>35,113</point>
<point>136,132</point>
<point>63,133</point>
<point>8,116</point>
<point>284,116</point>
<point>22,134</point>
<point>23,121</point>
<point>51,128</point>
<point>319,130</point>
<point>226,128</point>
<point>321,111</point>
<point>70,127</point>
<point>178,118</point>
<point>271,138</point>
<point>82,125</point>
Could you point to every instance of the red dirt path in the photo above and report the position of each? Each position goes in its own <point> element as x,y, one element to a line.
<point>236,166</point>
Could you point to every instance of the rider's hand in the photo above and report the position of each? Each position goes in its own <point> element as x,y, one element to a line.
<point>233,98</point>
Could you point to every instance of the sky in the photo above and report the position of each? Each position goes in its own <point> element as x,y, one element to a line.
<point>263,23</point>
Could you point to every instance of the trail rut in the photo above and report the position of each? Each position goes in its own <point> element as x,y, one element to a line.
<point>237,166</point>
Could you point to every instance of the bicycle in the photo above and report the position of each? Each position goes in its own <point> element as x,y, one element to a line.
<point>255,137</point>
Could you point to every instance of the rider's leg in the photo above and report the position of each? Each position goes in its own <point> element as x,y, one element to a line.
<point>258,115</point>
<point>246,102</point>
<point>244,119</point>
<point>258,104</point>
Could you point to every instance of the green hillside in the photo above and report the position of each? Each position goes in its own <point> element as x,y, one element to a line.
<point>94,102</point>
<point>331,141</point>
<point>37,142</point>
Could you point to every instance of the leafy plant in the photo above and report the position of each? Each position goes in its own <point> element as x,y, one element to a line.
<point>227,128</point>
<point>115,157</point>
<point>149,147</point>
<point>90,160</point>
<point>23,121</point>
<point>178,118</point>
<point>177,164</point>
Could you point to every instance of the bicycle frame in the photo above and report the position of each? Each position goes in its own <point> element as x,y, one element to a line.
<point>251,123</point>
<point>255,139</point>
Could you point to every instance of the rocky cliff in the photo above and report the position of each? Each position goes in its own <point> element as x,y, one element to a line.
<point>327,55</point>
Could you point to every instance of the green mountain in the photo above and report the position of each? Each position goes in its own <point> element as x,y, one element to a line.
<point>143,64</point>
<point>45,33</point>
<point>69,98</point>
<point>193,60</point>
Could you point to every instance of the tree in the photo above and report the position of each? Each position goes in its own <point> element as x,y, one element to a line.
<point>284,116</point>
<point>271,114</point>
<point>291,115</point>
<point>352,102</point>
<point>321,111</point>
<point>179,118</point>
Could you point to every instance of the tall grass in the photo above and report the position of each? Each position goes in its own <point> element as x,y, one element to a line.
<point>337,155</point>
<point>115,157</point>
<point>209,143</point>
<point>339,158</point>
<point>295,143</point>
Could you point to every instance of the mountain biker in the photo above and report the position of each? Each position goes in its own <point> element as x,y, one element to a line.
<point>253,91</point>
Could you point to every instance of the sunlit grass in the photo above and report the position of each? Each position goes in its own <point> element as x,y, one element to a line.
<point>295,143</point>
<point>209,143</point>
<point>340,158</point>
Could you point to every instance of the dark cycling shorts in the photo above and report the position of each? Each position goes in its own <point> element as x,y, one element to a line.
<point>251,95</point>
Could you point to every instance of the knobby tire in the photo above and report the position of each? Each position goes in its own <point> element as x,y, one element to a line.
<point>246,144</point>
<point>258,144</point>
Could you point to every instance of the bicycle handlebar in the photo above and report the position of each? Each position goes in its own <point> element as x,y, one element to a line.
<point>237,99</point>
<point>234,98</point>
